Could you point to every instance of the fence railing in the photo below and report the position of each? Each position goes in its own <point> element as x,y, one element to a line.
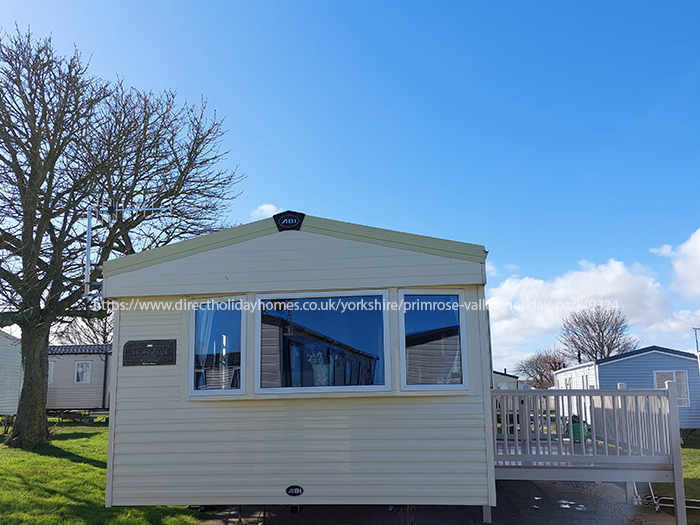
<point>597,430</point>
<point>574,425</point>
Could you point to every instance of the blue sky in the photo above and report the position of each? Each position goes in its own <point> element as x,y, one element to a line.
<point>552,133</point>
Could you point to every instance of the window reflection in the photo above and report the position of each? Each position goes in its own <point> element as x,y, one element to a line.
<point>322,342</point>
<point>433,352</point>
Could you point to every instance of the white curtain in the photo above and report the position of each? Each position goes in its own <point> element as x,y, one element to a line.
<point>205,341</point>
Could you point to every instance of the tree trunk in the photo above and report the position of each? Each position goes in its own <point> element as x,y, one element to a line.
<point>31,427</point>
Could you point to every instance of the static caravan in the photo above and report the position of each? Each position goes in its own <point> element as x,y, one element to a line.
<point>580,376</point>
<point>79,377</point>
<point>299,360</point>
<point>648,367</point>
<point>505,381</point>
<point>10,373</point>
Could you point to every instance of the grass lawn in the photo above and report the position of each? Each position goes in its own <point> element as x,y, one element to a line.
<point>691,476</point>
<point>64,484</point>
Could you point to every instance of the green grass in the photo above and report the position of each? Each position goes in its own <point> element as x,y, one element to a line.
<point>691,475</point>
<point>64,484</point>
<point>691,466</point>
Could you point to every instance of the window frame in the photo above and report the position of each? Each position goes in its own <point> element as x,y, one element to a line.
<point>224,392</point>
<point>464,385</point>
<point>386,387</point>
<point>52,365</point>
<point>89,372</point>
<point>675,379</point>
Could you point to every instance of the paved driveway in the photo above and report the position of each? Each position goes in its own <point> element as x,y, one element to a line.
<point>519,502</point>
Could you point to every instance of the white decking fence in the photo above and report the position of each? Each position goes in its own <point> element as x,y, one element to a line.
<point>589,435</point>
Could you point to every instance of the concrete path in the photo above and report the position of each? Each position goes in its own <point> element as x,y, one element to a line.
<point>519,502</point>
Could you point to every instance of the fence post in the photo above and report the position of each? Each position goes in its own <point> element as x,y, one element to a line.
<point>675,440</point>
<point>624,421</point>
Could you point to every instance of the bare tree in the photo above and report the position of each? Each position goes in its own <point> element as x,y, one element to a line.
<point>81,331</point>
<point>69,141</point>
<point>539,368</point>
<point>596,333</point>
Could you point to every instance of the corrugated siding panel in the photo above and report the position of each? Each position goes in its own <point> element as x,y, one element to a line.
<point>341,450</point>
<point>638,372</point>
<point>65,394</point>
<point>294,261</point>
<point>344,450</point>
<point>10,375</point>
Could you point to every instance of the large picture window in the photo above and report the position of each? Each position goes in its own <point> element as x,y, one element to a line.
<point>322,342</point>
<point>432,340</point>
<point>218,333</point>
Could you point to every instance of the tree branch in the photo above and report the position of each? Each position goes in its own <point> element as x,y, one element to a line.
<point>8,318</point>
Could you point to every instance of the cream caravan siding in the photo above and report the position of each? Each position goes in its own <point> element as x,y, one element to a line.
<point>379,448</point>
<point>10,373</point>
<point>290,261</point>
<point>65,394</point>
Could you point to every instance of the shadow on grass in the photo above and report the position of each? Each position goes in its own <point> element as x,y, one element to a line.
<point>691,438</point>
<point>67,424</point>
<point>37,488</point>
<point>56,452</point>
<point>67,436</point>
<point>68,505</point>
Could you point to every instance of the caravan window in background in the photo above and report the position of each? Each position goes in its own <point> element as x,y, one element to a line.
<point>217,346</point>
<point>51,365</point>
<point>681,379</point>
<point>432,341</point>
<point>83,371</point>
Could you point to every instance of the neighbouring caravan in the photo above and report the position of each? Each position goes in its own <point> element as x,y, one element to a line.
<point>648,367</point>
<point>79,377</point>
<point>298,360</point>
<point>10,373</point>
<point>505,381</point>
